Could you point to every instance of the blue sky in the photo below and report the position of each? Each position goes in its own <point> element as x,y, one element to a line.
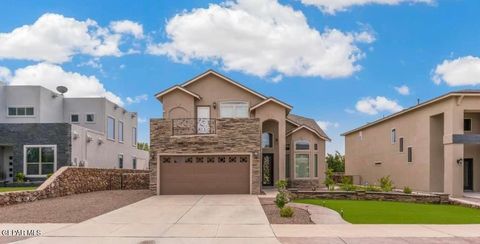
<point>337,64</point>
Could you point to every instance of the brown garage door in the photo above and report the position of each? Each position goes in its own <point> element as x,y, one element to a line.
<point>214,174</point>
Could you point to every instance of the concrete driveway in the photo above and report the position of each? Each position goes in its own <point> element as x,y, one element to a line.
<point>165,219</point>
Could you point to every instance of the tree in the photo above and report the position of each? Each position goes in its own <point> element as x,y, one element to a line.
<point>143,146</point>
<point>336,162</point>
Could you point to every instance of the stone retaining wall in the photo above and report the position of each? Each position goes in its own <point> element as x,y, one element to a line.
<point>74,180</point>
<point>379,196</point>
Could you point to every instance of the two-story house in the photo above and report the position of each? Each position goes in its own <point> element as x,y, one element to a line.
<point>218,137</point>
<point>41,131</point>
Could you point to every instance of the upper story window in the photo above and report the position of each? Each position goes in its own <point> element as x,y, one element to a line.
<point>267,140</point>
<point>134,136</point>
<point>90,118</point>
<point>234,109</point>
<point>315,146</point>
<point>110,128</point>
<point>400,142</point>
<point>393,136</point>
<point>21,111</point>
<point>120,131</point>
<point>302,145</point>
<point>74,118</point>
<point>409,154</point>
<point>467,124</point>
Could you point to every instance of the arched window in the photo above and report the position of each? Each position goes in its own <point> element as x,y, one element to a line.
<point>302,145</point>
<point>267,140</point>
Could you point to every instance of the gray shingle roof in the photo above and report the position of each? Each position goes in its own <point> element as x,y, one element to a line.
<point>312,124</point>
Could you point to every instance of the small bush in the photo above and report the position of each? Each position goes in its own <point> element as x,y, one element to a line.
<point>372,188</point>
<point>281,185</point>
<point>329,179</point>
<point>281,199</point>
<point>347,184</point>
<point>407,190</point>
<point>386,184</point>
<point>286,212</point>
<point>20,177</point>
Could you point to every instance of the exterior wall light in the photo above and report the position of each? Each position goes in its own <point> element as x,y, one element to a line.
<point>214,105</point>
<point>460,161</point>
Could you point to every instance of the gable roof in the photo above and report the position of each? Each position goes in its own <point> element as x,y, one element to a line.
<point>271,99</point>
<point>465,92</point>
<point>306,123</point>
<point>173,88</point>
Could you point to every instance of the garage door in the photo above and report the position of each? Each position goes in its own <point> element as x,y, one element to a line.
<point>211,174</point>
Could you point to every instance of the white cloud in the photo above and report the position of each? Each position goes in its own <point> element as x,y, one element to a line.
<point>462,71</point>
<point>51,76</point>
<point>277,78</point>
<point>137,99</point>
<point>403,90</point>
<point>333,6</point>
<point>5,74</point>
<point>373,106</point>
<point>94,63</point>
<point>142,120</point>
<point>327,124</point>
<point>127,27</point>
<point>54,38</point>
<point>260,37</point>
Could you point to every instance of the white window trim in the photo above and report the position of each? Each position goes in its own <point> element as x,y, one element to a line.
<point>393,136</point>
<point>135,139</point>
<point>295,166</point>
<point>233,101</point>
<point>121,140</point>
<point>40,169</point>
<point>79,118</point>
<point>94,118</point>
<point>21,116</point>
<point>302,150</point>
<point>114,128</point>
<point>471,125</point>
<point>412,154</point>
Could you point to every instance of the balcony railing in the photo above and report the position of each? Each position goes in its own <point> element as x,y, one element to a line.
<point>199,126</point>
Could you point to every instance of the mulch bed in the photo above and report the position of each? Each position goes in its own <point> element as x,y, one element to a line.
<point>71,209</point>
<point>300,216</point>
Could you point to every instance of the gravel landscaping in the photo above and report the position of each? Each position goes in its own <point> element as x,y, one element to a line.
<point>71,209</point>
<point>300,216</point>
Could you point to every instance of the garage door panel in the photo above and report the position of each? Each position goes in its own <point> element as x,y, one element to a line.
<point>208,175</point>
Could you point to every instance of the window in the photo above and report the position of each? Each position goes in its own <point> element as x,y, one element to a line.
<point>110,128</point>
<point>315,167</point>
<point>302,145</point>
<point>134,163</point>
<point>400,144</point>
<point>360,135</point>
<point>393,136</point>
<point>315,146</point>
<point>234,110</point>
<point>287,146</point>
<point>74,118</point>
<point>267,140</point>
<point>134,136</point>
<point>90,118</point>
<point>302,167</point>
<point>467,124</point>
<point>21,111</point>
<point>287,166</point>
<point>40,160</point>
<point>410,154</point>
<point>120,161</point>
<point>120,131</point>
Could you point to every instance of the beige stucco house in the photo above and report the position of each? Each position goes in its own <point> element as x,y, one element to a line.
<point>433,146</point>
<point>218,137</point>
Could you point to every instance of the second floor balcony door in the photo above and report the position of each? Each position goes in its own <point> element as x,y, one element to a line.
<point>203,120</point>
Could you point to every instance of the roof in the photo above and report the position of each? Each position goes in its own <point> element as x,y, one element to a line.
<point>306,123</point>
<point>271,99</point>
<point>420,105</point>
<point>173,88</point>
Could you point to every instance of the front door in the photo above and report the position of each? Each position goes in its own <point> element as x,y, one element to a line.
<point>203,120</point>
<point>468,174</point>
<point>267,169</point>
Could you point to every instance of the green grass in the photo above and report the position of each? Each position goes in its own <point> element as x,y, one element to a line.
<point>378,212</point>
<point>19,188</point>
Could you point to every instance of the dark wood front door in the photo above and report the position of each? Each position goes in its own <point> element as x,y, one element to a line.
<point>267,169</point>
<point>468,174</point>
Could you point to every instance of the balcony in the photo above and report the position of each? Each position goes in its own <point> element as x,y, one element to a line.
<point>199,126</point>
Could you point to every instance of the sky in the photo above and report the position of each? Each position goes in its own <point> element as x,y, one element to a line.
<point>342,63</point>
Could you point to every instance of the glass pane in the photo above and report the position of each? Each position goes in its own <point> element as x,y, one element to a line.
<point>47,168</point>
<point>316,165</point>
<point>48,155</point>
<point>90,118</point>
<point>302,145</point>
<point>287,166</point>
<point>75,118</point>
<point>226,111</point>
<point>20,111</point>
<point>12,111</point>
<point>111,128</point>
<point>29,111</point>
<point>120,161</point>
<point>302,168</point>
<point>266,140</point>
<point>33,155</point>
<point>241,111</point>
<point>33,169</point>
<point>120,131</point>
<point>134,136</point>
<point>134,163</point>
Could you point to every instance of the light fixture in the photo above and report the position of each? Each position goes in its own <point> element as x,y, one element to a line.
<point>214,105</point>
<point>460,161</point>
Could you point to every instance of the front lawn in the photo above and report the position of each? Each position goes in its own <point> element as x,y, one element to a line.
<point>378,212</point>
<point>17,188</point>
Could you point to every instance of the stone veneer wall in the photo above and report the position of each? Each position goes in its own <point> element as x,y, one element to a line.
<point>232,136</point>
<point>73,180</point>
<point>305,184</point>
<point>379,196</point>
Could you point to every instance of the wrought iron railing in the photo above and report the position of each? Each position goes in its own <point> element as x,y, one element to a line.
<point>199,126</point>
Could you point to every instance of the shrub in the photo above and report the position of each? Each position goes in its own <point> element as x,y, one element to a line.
<point>386,183</point>
<point>407,190</point>
<point>347,184</point>
<point>286,212</point>
<point>20,177</point>
<point>329,179</point>
<point>372,188</point>
<point>281,185</point>
<point>282,197</point>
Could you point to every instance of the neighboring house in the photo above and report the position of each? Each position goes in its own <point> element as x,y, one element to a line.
<point>433,146</point>
<point>218,137</point>
<point>41,131</point>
